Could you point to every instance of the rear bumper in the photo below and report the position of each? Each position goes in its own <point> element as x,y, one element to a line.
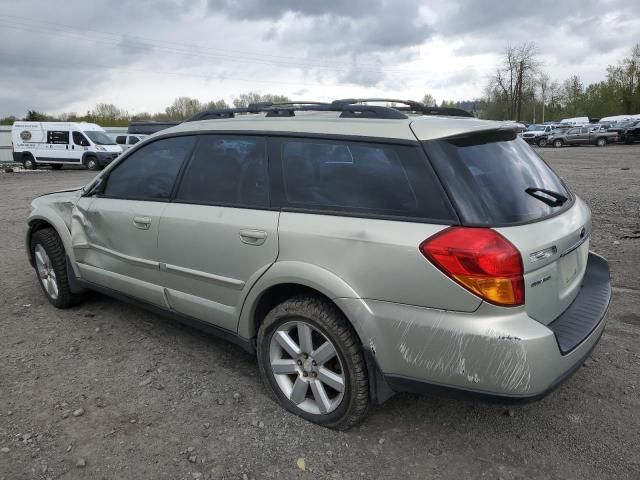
<point>507,354</point>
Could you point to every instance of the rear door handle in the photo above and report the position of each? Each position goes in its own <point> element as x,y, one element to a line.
<point>143,223</point>
<point>253,237</point>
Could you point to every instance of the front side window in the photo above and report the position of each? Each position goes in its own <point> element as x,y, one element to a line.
<point>488,175</point>
<point>80,139</point>
<point>99,138</point>
<point>58,137</point>
<point>150,172</point>
<point>133,140</point>
<point>121,139</point>
<point>360,178</point>
<point>227,170</point>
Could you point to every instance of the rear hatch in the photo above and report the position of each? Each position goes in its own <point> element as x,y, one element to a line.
<point>495,180</point>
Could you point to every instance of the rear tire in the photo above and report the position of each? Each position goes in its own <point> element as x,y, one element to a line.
<point>56,167</point>
<point>51,266</point>
<point>302,377</point>
<point>92,164</point>
<point>28,162</point>
<point>558,143</point>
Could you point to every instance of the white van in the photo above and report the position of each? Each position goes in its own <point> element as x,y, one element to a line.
<point>62,143</point>
<point>576,121</point>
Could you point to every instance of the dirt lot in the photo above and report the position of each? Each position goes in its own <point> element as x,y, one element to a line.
<point>107,390</point>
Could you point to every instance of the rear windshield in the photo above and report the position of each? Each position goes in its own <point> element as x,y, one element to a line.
<point>487,176</point>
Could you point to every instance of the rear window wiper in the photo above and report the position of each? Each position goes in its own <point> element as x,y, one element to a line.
<point>551,198</point>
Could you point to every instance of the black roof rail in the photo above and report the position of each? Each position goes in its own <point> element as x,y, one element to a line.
<point>412,106</point>
<point>288,109</point>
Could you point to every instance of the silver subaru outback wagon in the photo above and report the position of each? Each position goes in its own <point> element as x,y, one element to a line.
<point>357,250</point>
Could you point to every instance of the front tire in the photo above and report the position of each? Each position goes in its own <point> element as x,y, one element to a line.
<point>601,142</point>
<point>542,142</point>
<point>29,163</point>
<point>312,363</point>
<point>51,266</point>
<point>92,164</point>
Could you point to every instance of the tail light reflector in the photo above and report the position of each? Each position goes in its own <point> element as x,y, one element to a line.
<point>481,260</point>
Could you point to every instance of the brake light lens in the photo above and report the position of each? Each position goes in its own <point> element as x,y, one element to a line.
<point>481,260</point>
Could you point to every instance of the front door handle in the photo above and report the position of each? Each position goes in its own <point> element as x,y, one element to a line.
<point>143,223</point>
<point>253,237</point>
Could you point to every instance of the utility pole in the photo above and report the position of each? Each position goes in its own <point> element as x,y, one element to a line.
<point>520,75</point>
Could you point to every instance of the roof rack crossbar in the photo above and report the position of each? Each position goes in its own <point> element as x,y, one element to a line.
<point>412,106</point>
<point>288,109</point>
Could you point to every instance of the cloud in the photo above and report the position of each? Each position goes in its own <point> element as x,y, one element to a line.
<point>142,54</point>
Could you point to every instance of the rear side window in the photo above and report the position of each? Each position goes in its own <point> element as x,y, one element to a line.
<point>57,137</point>
<point>487,176</point>
<point>227,170</point>
<point>359,178</point>
<point>150,172</point>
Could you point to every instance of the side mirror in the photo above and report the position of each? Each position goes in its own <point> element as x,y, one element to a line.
<point>97,187</point>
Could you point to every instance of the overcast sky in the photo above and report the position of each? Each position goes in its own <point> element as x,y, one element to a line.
<point>141,54</point>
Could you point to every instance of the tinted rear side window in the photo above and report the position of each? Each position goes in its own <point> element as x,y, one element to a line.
<point>227,170</point>
<point>487,175</point>
<point>359,178</point>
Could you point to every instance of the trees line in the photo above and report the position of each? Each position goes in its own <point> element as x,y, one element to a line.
<point>109,115</point>
<point>519,89</point>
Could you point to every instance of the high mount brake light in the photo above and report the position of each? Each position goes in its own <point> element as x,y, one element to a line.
<point>481,260</point>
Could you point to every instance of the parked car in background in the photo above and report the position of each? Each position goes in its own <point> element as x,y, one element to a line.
<point>537,134</point>
<point>127,141</point>
<point>620,127</point>
<point>631,133</point>
<point>62,143</point>
<point>147,127</point>
<point>581,136</point>
<point>357,250</point>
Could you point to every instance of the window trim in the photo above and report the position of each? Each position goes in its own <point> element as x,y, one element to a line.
<point>281,203</point>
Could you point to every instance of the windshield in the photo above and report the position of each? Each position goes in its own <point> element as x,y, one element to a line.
<point>98,137</point>
<point>536,128</point>
<point>487,177</point>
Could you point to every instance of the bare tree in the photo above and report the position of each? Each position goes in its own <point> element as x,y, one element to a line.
<point>515,75</point>
<point>244,99</point>
<point>429,100</point>
<point>183,107</point>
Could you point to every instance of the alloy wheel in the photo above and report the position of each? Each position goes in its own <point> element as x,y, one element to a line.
<point>306,367</point>
<point>46,272</point>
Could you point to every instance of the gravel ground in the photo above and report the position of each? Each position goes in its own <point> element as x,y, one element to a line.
<point>107,390</point>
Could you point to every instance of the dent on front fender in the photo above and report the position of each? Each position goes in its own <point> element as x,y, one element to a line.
<point>55,209</point>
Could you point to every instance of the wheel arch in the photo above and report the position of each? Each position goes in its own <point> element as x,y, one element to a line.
<point>39,221</point>
<point>285,280</point>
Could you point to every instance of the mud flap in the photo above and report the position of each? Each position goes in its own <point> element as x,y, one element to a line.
<point>379,389</point>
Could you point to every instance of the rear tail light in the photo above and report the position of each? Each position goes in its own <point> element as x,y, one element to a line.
<point>481,260</point>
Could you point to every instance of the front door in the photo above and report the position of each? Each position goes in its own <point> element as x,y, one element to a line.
<point>219,235</point>
<point>115,236</point>
<point>79,145</point>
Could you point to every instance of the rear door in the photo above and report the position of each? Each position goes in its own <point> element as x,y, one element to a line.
<point>496,181</point>
<point>115,236</point>
<point>219,234</point>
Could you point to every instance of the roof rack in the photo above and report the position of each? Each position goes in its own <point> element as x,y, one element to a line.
<point>348,108</point>
<point>288,109</point>
<point>412,106</point>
